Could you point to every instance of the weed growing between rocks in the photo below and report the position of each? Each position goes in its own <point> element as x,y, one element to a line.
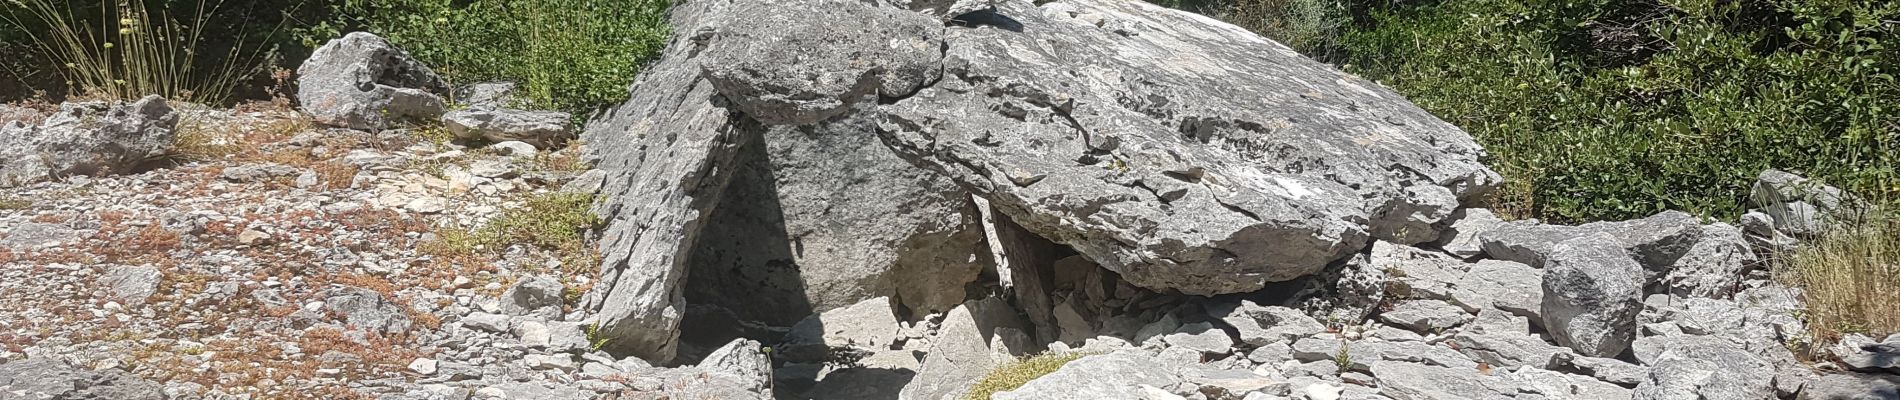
<point>554,221</point>
<point>1851,279</point>
<point>1014,374</point>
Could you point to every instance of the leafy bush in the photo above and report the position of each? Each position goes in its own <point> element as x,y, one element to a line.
<point>1313,27</point>
<point>1608,109</point>
<point>573,55</point>
<point>1012,375</point>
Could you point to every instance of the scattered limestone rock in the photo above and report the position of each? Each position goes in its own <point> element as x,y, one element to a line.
<point>1117,376</point>
<point>367,309</point>
<point>1425,315</point>
<point>538,295</point>
<point>42,378</point>
<point>542,129</point>
<point>1592,295</point>
<point>363,82</point>
<point>1699,367</point>
<point>87,138</point>
<point>132,284</point>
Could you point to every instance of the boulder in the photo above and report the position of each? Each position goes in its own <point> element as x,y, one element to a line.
<point>87,138</point>
<point>1852,386</point>
<point>538,295</point>
<point>822,217</point>
<point>862,328</point>
<point>49,379</point>
<point>543,129</point>
<point>1475,287</point>
<point>1561,386</point>
<point>1592,295</point>
<point>1262,325</point>
<point>1293,165</point>
<point>1605,369</point>
<point>1465,226</point>
<point>1656,242</point>
<point>1861,353</point>
<point>1114,376</point>
<point>1503,340</point>
<point>744,359</point>
<point>1701,367</point>
<point>1798,206</point>
<point>1713,267</point>
<point>966,347</point>
<point>486,95</point>
<point>360,81</point>
<point>132,284</point>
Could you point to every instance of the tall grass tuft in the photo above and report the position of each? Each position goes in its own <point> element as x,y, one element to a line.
<point>1850,278</point>
<point>126,50</point>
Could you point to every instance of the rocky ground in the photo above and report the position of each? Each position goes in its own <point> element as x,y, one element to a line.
<point>931,192</point>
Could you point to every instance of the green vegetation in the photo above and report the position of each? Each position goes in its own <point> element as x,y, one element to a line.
<point>1013,375</point>
<point>14,203</point>
<point>573,55</point>
<point>555,221</point>
<point>1612,109</point>
<point>124,50</point>
<point>1851,279</point>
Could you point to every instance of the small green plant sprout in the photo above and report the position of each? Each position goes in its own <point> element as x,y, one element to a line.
<point>1015,374</point>
<point>1344,358</point>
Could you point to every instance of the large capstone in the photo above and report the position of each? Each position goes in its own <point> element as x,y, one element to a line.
<point>87,138</point>
<point>1179,151</point>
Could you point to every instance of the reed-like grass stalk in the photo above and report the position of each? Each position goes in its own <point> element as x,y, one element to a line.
<point>121,49</point>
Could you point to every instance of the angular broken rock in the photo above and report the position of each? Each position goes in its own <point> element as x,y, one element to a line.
<point>1409,381</point>
<point>963,350</point>
<point>1701,367</point>
<point>1713,267</point>
<point>864,327</point>
<point>87,138</point>
<point>47,378</point>
<point>132,284</point>
<point>539,295</point>
<point>366,309</point>
<point>1262,325</point>
<point>1799,206</point>
<point>1592,294</point>
<point>360,81</point>
<point>1656,242</point>
<point>1429,316</point>
<point>1138,165</point>
<point>1461,237</point>
<point>1852,386</point>
<point>543,129</point>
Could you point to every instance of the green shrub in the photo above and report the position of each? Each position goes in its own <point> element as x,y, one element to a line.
<point>1609,109</point>
<point>557,222</point>
<point>1313,27</point>
<point>573,55</point>
<point>1013,375</point>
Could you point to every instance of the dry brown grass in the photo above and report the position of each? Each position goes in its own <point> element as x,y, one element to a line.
<point>1851,279</point>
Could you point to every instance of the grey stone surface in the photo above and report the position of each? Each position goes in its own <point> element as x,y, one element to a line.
<point>1605,369</point>
<point>667,153</point>
<point>1507,343</point>
<point>779,68</point>
<point>824,216</point>
<point>34,235</point>
<point>87,138</point>
<point>1259,325</point>
<point>1701,367</point>
<point>1475,287</point>
<point>864,327</point>
<point>964,349</point>
<point>1362,355</point>
<point>366,309</point>
<point>744,359</point>
<point>1656,242</point>
<point>486,95</point>
<point>1461,237</point>
<point>1862,353</point>
<point>1114,376</point>
<point>1156,180</point>
<point>48,379</point>
<point>361,81</point>
<point>1201,337</point>
<point>1409,381</point>
<point>1557,385</point>
<point>538,295</point>
<point>1592,295</point>
<point>1713,267</point>
<point>1430,316</point>
<point>1799,206</point>
<point>132,284</point>
<point>1852,386</point>
<point>543,129</point>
